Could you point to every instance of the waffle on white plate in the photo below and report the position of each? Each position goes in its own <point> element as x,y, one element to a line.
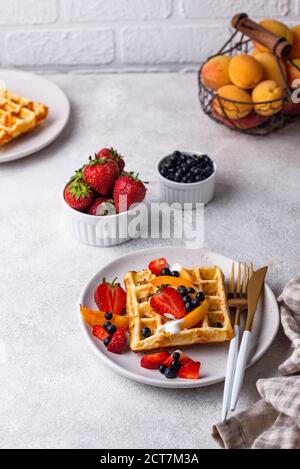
<point>18,115</point>
<point>139,289</point>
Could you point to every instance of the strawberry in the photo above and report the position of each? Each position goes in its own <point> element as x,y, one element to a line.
<point>128,190</point>
<point>118,341</point>
<point>102,206</point>
<point>153,362</point>
<point>184,359</point>
<point>158,265</point>
<point>167,301</point>
<point>190,370</point>
<point>112,153</point>
<point>78,195</point>
<point>101,174</point>
<point>100,333</point>
<point>110,297</point>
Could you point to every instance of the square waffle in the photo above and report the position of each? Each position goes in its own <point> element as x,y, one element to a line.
<point>140,314</point>
<point>18,115</point>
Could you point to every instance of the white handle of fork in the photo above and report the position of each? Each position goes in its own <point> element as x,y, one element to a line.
<point>240,368</point>
<point>230,369</point>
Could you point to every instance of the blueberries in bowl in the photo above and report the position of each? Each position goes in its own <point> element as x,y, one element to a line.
<point>186,168</point>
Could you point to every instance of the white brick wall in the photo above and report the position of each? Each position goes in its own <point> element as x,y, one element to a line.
<point>118,35</point>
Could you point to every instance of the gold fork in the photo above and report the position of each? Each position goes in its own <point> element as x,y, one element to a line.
<point>237,298</point>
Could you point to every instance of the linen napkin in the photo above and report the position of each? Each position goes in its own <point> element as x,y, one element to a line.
<point>274,421</point>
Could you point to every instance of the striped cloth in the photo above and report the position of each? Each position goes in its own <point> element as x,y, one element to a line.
<point>274,421</point>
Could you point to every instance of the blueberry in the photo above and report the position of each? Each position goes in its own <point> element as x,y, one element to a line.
<point>166,271</point>
<point>218,325</point>
<point>111,329</point>
<point>176,355</point>
<point>177,153</point>
<point>196,302</point>
<point>200,295</point>
<point>175,365</point>
<point>175,273</point>
<point>146,332</point>
<point>191,290</point>
<point>106,325</point>
<point>106,341</point>
<point>182,290</point>
<point>184,180</point>
<point>108,315</point>
<point>170,373</point>
<point>188,306</point>
<point>186,299</point>
<point>162,369</point>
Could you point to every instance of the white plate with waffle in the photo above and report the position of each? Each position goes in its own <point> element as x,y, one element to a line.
<point>213,355</point>
<point>20,112</point>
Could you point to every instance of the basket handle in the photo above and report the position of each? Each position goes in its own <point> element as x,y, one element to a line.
<point>279,46</point>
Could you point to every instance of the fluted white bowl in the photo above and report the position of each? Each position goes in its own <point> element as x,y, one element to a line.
<point>102,231</point>
<point>200,192</point>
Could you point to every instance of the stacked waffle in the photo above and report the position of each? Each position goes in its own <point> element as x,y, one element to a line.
<point>18,115</point>
<point>214,327</point>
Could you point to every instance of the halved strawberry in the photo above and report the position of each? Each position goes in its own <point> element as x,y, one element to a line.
<point>184,359</point>
<point>157,265</point>
<point>190,371</point>
<point>153,361</point>
<point>110,297</point>
<point>118,341</point>
<point>100,332</point>
<point>168,302</point>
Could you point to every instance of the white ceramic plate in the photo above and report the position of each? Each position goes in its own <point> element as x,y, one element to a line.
<point>213,357</point>
<point>40,89</point>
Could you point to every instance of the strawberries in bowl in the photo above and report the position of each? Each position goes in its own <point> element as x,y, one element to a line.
<point>101,187</point>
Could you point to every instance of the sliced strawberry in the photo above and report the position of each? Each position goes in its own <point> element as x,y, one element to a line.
<point>190,370</point>
<point>118,341</point>
<point>110,297</point>
<point>100,333</point>
<point>157,265</point>
<point>153,362</point>
<point>167,301</point>
<point>184,359</point>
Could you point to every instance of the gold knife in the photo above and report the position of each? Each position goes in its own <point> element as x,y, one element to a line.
<point>254,290</point>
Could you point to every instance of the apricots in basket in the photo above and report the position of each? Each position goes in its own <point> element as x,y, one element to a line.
<point>236,103</point>
<point>215,73</point>
<point>277,28</point>
<point>245,71</point>
<point>268,90</point>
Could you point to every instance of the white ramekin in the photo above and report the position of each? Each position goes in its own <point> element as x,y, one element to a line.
<point>102,231</point>
<point>200,192</point>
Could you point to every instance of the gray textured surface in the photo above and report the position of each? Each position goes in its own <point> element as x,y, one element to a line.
<point>54,392</point>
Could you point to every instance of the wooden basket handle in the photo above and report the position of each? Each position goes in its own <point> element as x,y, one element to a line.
<point>279,46</point>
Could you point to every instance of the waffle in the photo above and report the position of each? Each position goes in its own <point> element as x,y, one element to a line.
<point>18,115</point>
<point>140,314</point>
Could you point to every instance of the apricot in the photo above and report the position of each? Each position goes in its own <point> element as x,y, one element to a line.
<point>296,44</point>
<point>215,73</point>
<point>271,68</point>
<point>255,51</point>
<point>267,90</point>
<point>277,28</point>
<point>238,106</point>
<point>245,72</point>
<point>294,73</point>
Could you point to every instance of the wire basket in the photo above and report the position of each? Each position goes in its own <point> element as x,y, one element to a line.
<point>283,109</point>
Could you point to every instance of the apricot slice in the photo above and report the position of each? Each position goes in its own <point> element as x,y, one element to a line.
<point>195,316</point>
<point>93,318</point>
<point>173,281</point>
